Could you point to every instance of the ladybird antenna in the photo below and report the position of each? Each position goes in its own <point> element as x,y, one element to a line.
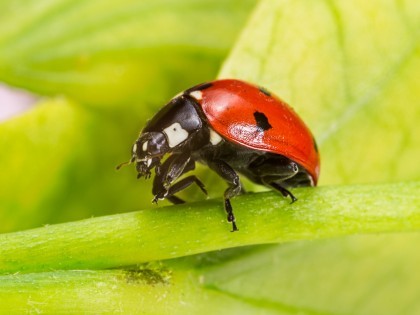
<point>126,163</point>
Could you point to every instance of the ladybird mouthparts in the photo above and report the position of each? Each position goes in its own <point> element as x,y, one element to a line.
<point>143,167</point>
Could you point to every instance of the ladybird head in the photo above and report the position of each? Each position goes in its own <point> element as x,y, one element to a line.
<point>147,152</point>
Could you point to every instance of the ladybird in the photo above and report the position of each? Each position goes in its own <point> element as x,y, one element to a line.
<point>232,127</point>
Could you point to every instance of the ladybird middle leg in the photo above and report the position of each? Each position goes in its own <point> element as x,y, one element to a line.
<point>175,200</point>
<point>181,185</point>
<point>225,171</point>
<point>169,193</point>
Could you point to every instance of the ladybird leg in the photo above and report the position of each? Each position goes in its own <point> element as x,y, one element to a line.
<point>159,190</point>
<point>174,167</point>
<point>274,171</point>
<point>278,168</point>
<point>179,166</point>
<point>181,185</point>
<point>225,171</point>
<point>283,191</point>
<point>175,200</point>
<point>184,183</point>
<point>243,190</point>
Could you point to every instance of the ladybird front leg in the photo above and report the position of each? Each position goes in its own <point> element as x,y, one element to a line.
<point>160,186</point>
<point>179,165</point>
<point>225,171</point>
<point>174,167</point>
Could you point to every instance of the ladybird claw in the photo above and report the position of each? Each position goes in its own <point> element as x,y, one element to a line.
<point>234,227</point>
<point>231,218</point>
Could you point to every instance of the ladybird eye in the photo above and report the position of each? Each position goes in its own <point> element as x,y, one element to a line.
<point>134,149</point>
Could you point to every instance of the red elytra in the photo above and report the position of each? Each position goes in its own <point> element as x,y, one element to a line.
<point>230,107</point>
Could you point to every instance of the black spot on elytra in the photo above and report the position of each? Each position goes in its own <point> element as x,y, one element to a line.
<point>262,121</point>
<point>263,90</point>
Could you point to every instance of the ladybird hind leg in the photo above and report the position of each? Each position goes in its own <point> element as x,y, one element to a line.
<point>174,167</point>
<point>282,190</point>
<point>273,171</point>
<point>225,171</point>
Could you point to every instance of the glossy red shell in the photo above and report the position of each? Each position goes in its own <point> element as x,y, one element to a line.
<point>230,107</point>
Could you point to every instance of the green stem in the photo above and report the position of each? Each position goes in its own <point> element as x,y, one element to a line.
<point>111,292</point>
<point>176,231</point>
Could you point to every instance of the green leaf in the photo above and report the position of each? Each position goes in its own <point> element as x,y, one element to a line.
<point>60,153</point>
<point>41,145</point>
<point>113,52</point>
<point>350,68</point>
<point>299,277</point>
<point>351,275</point>
<point>136,291</point>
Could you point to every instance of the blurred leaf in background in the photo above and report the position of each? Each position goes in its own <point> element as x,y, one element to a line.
<point>114,52</point>
<point>350,68</point>
<point>115,62</point>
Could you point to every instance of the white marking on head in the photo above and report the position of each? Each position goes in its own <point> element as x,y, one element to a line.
<point>198,95</point>
<point>149,161</point>
<point>175,134</point>
<point>134,148</point>
<point>144,146</point>
<point>215,138</point>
